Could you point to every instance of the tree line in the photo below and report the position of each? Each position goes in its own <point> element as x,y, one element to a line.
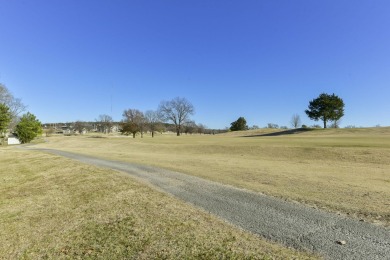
<point>175,112</point>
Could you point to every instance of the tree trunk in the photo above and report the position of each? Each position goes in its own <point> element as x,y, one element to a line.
<point>152,134</point>
<point>133,135</point>
<point>324,123</point>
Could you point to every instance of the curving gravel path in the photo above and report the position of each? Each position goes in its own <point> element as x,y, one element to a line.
<point>287,223</point>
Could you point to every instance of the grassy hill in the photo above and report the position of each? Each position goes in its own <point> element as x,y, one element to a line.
<point>339,170</point>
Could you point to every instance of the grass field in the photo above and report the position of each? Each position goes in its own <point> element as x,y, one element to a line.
<point>339,170</point>
<point>55,208</point>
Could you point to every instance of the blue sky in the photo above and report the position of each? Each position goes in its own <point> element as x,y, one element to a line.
<point>264,60</point>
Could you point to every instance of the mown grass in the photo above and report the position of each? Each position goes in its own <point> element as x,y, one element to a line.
<point>55,208</point>
<point>339,170</point>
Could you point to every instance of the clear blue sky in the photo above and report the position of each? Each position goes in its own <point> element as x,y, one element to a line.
<point>264,60</point>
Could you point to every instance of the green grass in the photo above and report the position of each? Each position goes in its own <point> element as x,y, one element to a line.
<point>55,208</point>
<point>339,170</point>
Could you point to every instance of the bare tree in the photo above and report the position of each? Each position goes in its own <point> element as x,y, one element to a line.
<point>272,126</point>
<point>190,127</point>
<point>178,111</point>
<point>295,121</point>
<point>104,123</point>
<point>79,126</point>
<point>15,105</point>
<point>201,128</point>
<point>153,121</point>
<point>133,122</point>
<point>336,123</point>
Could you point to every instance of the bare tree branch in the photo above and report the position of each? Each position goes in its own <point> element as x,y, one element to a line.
<point>15,105</point>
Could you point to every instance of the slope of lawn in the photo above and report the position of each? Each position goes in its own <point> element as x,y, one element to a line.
<point>346,171</point>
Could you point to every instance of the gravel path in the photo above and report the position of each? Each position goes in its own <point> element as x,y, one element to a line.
<point>287,223</point>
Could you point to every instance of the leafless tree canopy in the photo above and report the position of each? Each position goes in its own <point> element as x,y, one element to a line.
<point>201,128</point>
<point>80,126</point>
<point>295,121</point>
<point>105,123</point>
<point>132,115</point>
<point>153,120</point>
<point>176,111</point>
<point>336,123</point>
<point>190,127</point>
<point>14,104</point>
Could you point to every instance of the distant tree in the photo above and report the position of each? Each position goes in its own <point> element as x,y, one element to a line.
<point>254,127</point>
<point>272,126</point>
<point>295,121</point>
<point>239,125</point>
<point>128,128</point>
<point>170,128</point>
<point>153,120</point>
<point>142,124</point>
<point>201,128</point>
<point>177,111</point>
<point>15,105</point>
<point>28,128</point>
<point>104,123</point>
<point>80,126</point>
<point>335,124</point>
<point>5,119</point>
<point>326,108</point>
<point>190,127</point>
<point>133,122</point>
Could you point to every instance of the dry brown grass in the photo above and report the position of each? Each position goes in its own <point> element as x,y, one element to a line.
<point>55,208</point>
<point>339,170</point>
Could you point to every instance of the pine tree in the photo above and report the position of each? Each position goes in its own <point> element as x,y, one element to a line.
<point>28,128</point>
<point>326,108</point>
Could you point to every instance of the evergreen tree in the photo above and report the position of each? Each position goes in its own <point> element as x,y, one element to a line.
<point>326,108</point>
<point>28,128</point>
<point>239,125</point>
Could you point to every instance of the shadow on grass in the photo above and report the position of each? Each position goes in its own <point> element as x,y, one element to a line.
<point>285,132</point>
